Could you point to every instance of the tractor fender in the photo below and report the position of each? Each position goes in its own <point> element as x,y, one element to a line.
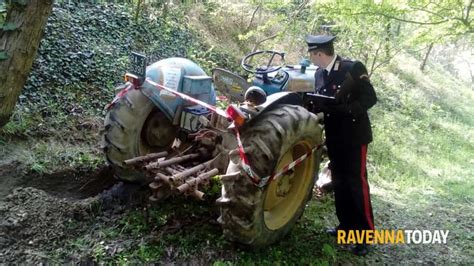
<point>181,75</point>
<point>277,99</point>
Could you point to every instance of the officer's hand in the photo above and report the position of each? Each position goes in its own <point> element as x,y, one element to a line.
<point>320,117</point>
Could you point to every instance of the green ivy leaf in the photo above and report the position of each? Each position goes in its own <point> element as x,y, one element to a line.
<point>3,55</point>
<point>9,27</point>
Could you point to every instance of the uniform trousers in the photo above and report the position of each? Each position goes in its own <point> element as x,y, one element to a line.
<point>351,188</point>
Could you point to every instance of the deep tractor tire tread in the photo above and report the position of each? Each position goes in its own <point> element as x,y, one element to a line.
<point>268,137</point>
<point>123,124</point>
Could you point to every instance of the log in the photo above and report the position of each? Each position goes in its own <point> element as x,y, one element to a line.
<point>194,182</point>
<point>197,194</point>
<point>191,171</point>
<point>171,161</point>
<point>146,158</point>
<point>162,177</point>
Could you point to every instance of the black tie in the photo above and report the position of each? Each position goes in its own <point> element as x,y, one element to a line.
<point>325,75</point>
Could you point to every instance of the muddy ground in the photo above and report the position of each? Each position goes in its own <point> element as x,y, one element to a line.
<point>38,212</point>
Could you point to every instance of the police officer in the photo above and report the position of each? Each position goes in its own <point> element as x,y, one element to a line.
<point>348,132</point>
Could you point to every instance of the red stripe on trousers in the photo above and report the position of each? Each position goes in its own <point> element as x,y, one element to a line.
<point>365,186</point>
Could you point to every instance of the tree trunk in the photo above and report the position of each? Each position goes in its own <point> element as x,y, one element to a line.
<point>422,67</point>
<point>18,47</point>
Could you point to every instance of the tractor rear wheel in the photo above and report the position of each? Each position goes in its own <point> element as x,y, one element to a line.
<point>135,127</point>
<point>260,216</point>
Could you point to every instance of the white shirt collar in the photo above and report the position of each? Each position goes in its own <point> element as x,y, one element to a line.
<point>329,67</point>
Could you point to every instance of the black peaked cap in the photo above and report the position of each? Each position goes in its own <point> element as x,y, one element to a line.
<point>319,41</point>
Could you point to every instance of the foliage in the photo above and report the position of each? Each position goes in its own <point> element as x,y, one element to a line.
<point>9,27</point>
<point>372,41</point>
<point>370,31</point>
<point>3,12</point>
<point>18,126</point>
<point>276,23</point>
<point>436,21</point>
<point>375,31</point>
<point>78,65</point>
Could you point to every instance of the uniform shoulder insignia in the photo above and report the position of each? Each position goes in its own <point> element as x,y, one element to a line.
<point>358,71</point>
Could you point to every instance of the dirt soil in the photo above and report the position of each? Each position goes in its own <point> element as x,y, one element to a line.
<point>41,211</point>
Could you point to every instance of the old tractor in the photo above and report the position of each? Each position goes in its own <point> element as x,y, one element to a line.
<point>163,129</point>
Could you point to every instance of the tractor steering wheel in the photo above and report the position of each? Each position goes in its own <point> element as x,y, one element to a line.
<point>263,69</point>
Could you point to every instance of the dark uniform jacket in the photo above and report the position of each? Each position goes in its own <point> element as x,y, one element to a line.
<point>346,119</point>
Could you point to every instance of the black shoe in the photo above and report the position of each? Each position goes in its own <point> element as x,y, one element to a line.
<point>360,249</point>
<point>332,231</point>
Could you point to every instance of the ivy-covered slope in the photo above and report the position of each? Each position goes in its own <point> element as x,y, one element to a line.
<point>85,52</point>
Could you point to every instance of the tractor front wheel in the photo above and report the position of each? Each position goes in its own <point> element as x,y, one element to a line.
<point>260,216</point>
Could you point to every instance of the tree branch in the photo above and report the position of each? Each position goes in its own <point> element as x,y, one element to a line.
<point>401,19</point>
<point>374,59</point>
<point>468,10</point>
<point>263,40</point>
<point>386,61</point>
<point>295,16</point>
<point>301,8</point>
<point>428,11</point>
<point>251,20</point>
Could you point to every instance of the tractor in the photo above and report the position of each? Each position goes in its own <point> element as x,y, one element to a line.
<point>163,129</point>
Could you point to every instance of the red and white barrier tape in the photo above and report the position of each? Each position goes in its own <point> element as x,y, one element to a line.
<point>120,95</point>
<point>287,167</point>
<point>260,182</point>
<point>245,162</point>
<point>189,98</point>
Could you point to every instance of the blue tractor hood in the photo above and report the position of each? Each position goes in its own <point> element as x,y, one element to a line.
<point>178,74</point>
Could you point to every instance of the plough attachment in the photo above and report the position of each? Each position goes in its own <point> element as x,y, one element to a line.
<point>185,170</point>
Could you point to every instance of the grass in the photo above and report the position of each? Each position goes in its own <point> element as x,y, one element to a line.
<point>421,143</point>
<point>19,125</point>
<point>51,155</point>
<point>187,234</point>
<point>421,159</point>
